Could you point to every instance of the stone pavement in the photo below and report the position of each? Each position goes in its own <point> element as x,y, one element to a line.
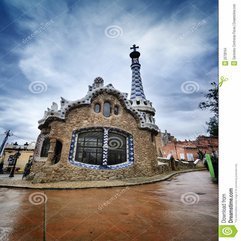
<point>182,208</point>
<point>17,181</point>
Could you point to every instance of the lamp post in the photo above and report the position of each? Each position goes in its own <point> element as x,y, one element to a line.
<point>16,156</point>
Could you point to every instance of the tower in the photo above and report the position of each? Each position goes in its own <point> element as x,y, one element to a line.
<point>100,136</point>
<point>138,99</point>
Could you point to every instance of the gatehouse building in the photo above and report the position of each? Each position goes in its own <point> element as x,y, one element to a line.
<point>104,135</point>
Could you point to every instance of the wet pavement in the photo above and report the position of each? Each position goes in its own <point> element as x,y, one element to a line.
<point>183,208</point>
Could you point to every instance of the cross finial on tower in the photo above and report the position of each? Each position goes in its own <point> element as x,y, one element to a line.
<point>134,47</point>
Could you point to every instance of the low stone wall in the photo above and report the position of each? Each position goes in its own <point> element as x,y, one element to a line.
<point>41,173</point>
<point>177,165</point>
<point>67,172</point>
<point>37,165</point>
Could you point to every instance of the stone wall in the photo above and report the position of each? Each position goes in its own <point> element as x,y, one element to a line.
<point>145,149</point>
<point>175,165</point>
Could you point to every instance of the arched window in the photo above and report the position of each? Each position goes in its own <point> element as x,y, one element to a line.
<point>116,148</point>
<point>100,148</point>
<point>116,110</point>
<point>107,109</point>
<point>97,108</point>
<point>89,147</point>
<point>45,148</point>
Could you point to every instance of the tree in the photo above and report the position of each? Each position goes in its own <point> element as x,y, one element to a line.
<point>212,104</point>
<point>213,126</point>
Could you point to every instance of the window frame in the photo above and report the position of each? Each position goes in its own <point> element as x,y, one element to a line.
<point>44,149</point>
<point>117,146</point>
<point>129,150</point>
<point>95,105</point>
<point>89,146</point>
<point>109,108</point>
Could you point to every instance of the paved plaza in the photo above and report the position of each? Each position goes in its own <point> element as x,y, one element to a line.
<point>182,208</point>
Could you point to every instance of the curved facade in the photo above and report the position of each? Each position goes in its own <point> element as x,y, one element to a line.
<point>101,136</point>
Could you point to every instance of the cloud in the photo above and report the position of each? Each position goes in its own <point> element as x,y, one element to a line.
<point>64,44</point>
<point>20,115</point>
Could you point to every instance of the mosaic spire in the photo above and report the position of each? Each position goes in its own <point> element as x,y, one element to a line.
<point>137,91</point>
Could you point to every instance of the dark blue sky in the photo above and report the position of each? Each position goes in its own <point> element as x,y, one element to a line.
<point>61,46</point>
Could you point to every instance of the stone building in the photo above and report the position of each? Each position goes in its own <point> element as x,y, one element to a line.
<point>102,136</point>
<point>188,149</point>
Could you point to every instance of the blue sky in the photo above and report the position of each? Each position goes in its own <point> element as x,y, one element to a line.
<point>63,45</point>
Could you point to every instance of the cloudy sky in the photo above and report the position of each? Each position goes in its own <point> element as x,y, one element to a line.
<point>52,48</point>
